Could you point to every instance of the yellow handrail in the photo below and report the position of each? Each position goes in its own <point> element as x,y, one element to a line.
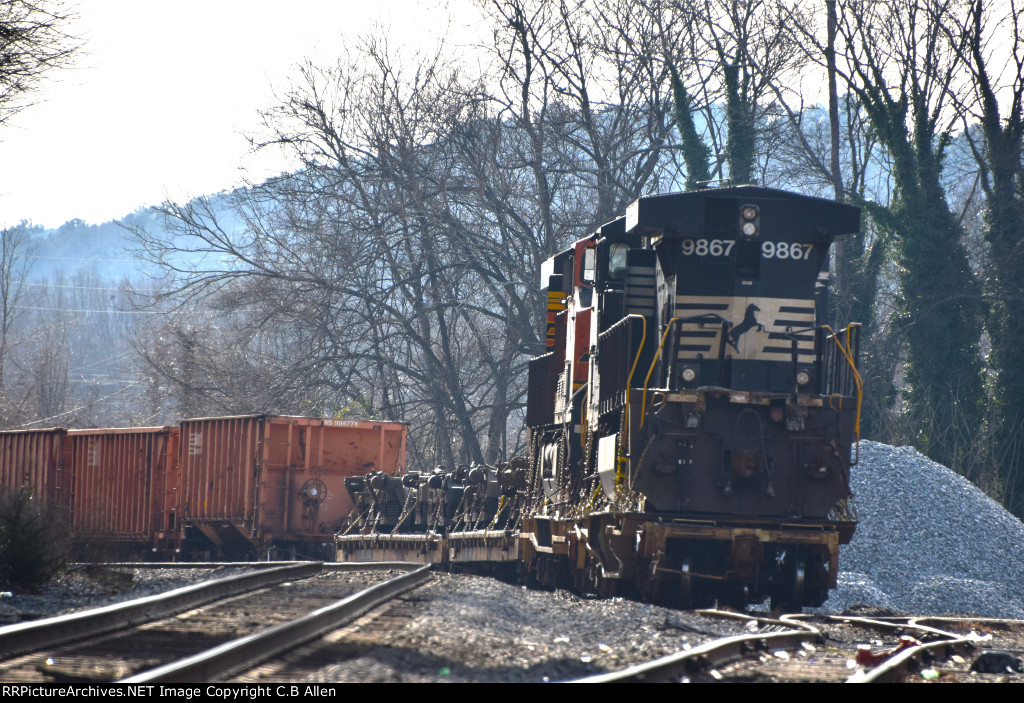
<point>654,362</point>
<point>620,457</point>
<point>847,353</point>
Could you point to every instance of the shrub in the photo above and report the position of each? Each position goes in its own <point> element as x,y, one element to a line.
<point>33,543</point>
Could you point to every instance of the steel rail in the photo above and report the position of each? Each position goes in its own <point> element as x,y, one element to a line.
<point>711,654</point>
<point>902,663</point>
<point>245,652</point>
<point>174,565</point>
<point>61,629</point>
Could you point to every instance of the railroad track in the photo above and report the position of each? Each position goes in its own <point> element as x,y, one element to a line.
<point>771,634</point>
<point>799,648</point>
<point>477,629</point>
<point>219,626</point>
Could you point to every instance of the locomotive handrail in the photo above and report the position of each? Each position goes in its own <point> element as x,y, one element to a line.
<point>703,317</point>
<point>617,343</point>
<point>847,354</point>
<point>846,351</point>
<point>791,335</point>
<point>657,355</point>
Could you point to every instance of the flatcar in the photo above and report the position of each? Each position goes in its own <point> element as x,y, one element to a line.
<point>691,422</point>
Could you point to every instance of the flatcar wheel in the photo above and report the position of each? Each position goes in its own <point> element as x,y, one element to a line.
<point>646,579</point>
<point>528,574</point>
<point>593,578</point>
<point>598,584</point>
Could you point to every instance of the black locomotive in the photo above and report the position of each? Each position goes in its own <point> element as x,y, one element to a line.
<point>690,424</point>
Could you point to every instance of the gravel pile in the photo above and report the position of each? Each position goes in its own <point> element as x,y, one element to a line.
<point>928,541</point>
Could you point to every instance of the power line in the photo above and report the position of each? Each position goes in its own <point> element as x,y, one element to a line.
<point>82,258</point>
<point>63,285</point>
<point>118,312</point>
<point>115,261</point>
<point>80,407</point>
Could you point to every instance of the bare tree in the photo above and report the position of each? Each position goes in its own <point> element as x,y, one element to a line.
<point>33,42</point>
<point>16,260</point>
<point>397,267</point>
<point>584,82</point>
<point>727,58</point>
<point>358,260</point>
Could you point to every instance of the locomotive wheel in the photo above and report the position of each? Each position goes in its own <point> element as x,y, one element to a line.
<point>799,578</point>
<point>789,593</point>
<point>580,581</point>
<point>685,593</point>
<point>591,576</point>
<point>816,590</point>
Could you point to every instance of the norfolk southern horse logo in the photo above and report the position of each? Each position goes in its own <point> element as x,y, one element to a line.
<point>758,332</point>
<point>749,322</point>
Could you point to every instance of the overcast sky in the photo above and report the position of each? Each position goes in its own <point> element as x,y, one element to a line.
<point>159,104</point>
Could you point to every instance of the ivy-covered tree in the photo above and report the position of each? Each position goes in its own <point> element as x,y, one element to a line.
<point>897,62</point>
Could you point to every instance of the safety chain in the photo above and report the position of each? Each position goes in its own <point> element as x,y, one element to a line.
<point>406,510</point>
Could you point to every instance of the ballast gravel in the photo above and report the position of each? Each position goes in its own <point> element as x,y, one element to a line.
<point>928,542</point>
<point>80,588</point>
<point>464,627</point>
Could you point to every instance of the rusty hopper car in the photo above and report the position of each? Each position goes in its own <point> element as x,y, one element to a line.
<point>124,482</point>
<point>35,459</point>
<point>691,421</point>
<point>251,481</point>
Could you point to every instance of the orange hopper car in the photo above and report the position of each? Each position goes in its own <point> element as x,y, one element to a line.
<point>233,487</point>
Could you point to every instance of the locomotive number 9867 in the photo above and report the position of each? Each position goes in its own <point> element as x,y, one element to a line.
<point>769,250</point>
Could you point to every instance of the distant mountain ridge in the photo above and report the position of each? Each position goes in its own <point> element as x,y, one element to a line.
<point>108,250</point>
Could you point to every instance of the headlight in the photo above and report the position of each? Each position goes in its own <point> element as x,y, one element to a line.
<point>803,377</point>
<point>689,374</point>
<point>750,221</point>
